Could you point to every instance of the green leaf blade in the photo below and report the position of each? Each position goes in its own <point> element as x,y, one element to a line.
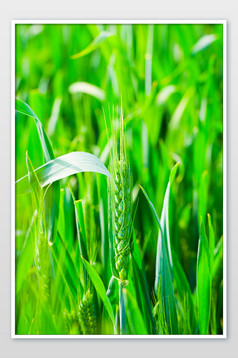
<point>64,166</point>
<point>134,314</point>
<point>203,43</point>
<point>103,35</point>
<point>203,281</point>
<point>87,88</point>
<point>52,196</point>
<point>163,271</point>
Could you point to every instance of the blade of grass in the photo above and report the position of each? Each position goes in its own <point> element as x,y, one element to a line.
<point>103,215</point>
<point>52,196</point>
<point>88,88</point>
<point>184,289</point>
<point>24,108</point>
<point>103,35</point>
<point>163,271</point>
<point>141,286</point>
<point>134,314</point>
<point>81,228</point>
<point>211,241</point>
<point>203,281</point>
<point>62,167</point>
<point>203,43</point>
<point>65,266</point>
<point>217,269</point>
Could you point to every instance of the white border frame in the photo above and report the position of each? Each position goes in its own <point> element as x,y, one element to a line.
<point>164,337</point>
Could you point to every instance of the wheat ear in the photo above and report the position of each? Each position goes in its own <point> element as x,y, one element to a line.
<point>87,314</point>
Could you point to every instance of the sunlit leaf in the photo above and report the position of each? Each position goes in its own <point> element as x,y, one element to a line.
<point>88,88</point>
<point>62,167</point>
<point>203,43</point>
<point>93,45</point>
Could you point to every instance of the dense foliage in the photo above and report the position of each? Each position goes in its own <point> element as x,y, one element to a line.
<point>78,80</point>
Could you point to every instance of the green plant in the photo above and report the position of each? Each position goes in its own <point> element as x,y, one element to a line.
<point>132,245</point>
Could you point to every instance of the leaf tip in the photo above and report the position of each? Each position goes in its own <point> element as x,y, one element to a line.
<point>173,172</point>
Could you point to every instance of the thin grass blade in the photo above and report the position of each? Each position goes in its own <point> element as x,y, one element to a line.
<point>52,196</point>
<point>203,281</point>
<point>103,35</point>
<point>203,43</point>
<point>134,314</point>
<point>164,268</point>
<point>141,287</point>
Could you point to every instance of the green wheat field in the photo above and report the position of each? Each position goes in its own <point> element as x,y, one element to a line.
<point>119,179</point>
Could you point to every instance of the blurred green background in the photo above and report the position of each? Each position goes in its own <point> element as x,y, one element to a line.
<point>169,81</point>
